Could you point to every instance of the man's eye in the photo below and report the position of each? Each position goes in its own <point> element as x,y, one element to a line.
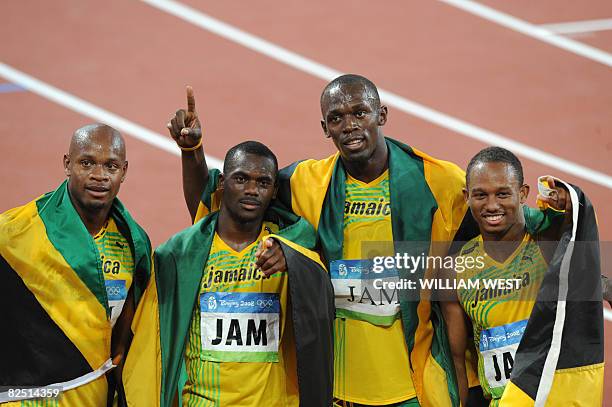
<point>360,114</point>
<point>503,195</point>
<point>112,166</point>
<point>265,184</point>
<point>86,163</point>
<point>240,179</point>
<point>335,119</point>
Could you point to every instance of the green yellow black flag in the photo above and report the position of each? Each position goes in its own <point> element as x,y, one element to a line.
<point>560,359</point>
<point>55,311</point>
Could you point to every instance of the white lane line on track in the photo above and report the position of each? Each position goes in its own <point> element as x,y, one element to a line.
<point>532,30</point>
<point>578,27</point>
<point>608,314</point>
<point>326,73</point>
<point>94,112</point>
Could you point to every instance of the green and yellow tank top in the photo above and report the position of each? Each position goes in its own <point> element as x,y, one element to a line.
<point>117,263</point>
<point>240,350</point>
<point>371,357</point>
<point>499,302</point>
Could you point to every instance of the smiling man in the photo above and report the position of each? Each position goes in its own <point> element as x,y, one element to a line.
<point>243,335</point>
<point>73,266</point>
<point>504,317</point>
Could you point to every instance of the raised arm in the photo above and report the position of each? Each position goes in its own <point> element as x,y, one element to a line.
<point>186,130</point>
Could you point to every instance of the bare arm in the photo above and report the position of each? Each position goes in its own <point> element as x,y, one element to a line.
<point>454,316</point>
<point>186,130</point>
<point>457,336</point>
<point>122,334</point>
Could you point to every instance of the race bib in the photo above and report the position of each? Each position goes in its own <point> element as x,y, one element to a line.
<point>362,294</point>
<point>498,347</point>
<point>116,291</point>
<point>240,327</point>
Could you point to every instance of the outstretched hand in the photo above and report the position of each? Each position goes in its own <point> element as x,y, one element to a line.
<point>270,257</point>
<point>185,126</point>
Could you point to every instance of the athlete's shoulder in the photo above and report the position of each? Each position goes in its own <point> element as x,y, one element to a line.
<point>449,169</point>
<point>190,238</point>
<point>16,221</point>
<point>310,167</point>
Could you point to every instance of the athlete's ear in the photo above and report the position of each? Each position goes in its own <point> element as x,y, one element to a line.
<point>125,168</point>
<point>66,161</point>
<point>466,194</point>
<point>324,126</point>
<point>382,115</point>
<point>524,193</point>
<point>220,184</point>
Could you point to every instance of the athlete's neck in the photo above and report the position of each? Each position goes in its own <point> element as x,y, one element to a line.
<point>372,168</point>
<point>94,220</point>
<point>237,234</point>
<point>499,246</point>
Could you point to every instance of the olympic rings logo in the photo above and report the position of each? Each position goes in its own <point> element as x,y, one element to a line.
<point>114,291</point>
<point>265,303</point>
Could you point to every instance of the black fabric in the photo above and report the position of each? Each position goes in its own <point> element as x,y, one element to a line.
<point>313,313</point>
<point>582,340</point>
<point>466,232</point>
<point>476,398</point>
<point>34,351</point>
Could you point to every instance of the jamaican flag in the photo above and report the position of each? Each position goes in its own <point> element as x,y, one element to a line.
<point>560,359</point>
<point>161,324</point>
<point>55,312</point>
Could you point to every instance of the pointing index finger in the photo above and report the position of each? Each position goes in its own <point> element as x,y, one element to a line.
<point>190,100</point>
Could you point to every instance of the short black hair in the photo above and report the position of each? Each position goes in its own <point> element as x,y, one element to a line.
<point>496,155</point>
<point>249,147</point>
<point>353,79</point>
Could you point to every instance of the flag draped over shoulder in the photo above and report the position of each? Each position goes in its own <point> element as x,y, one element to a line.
<point>55,312</point>
<point>161,323</point>
<point>560,359</point>
<point>426,205</point>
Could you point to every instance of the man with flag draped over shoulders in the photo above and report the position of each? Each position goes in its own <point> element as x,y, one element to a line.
<point>73,265</point>
<point>377,190</point>
<point>539,337</point>
<point>251,329</point>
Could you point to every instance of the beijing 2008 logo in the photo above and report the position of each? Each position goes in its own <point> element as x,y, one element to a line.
<point>212,302</point>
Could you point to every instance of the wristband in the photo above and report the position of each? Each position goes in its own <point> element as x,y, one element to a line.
<point>192,148</point>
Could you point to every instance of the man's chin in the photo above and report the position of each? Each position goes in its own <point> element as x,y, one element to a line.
<point>249,217</point>
<point>95,205</point>
<point>356,157</point>
<point>497,231</point>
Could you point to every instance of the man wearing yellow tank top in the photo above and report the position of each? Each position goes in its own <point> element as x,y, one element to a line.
<point>505,251</point>
<point>242,319</point>
<point>73,264</point>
